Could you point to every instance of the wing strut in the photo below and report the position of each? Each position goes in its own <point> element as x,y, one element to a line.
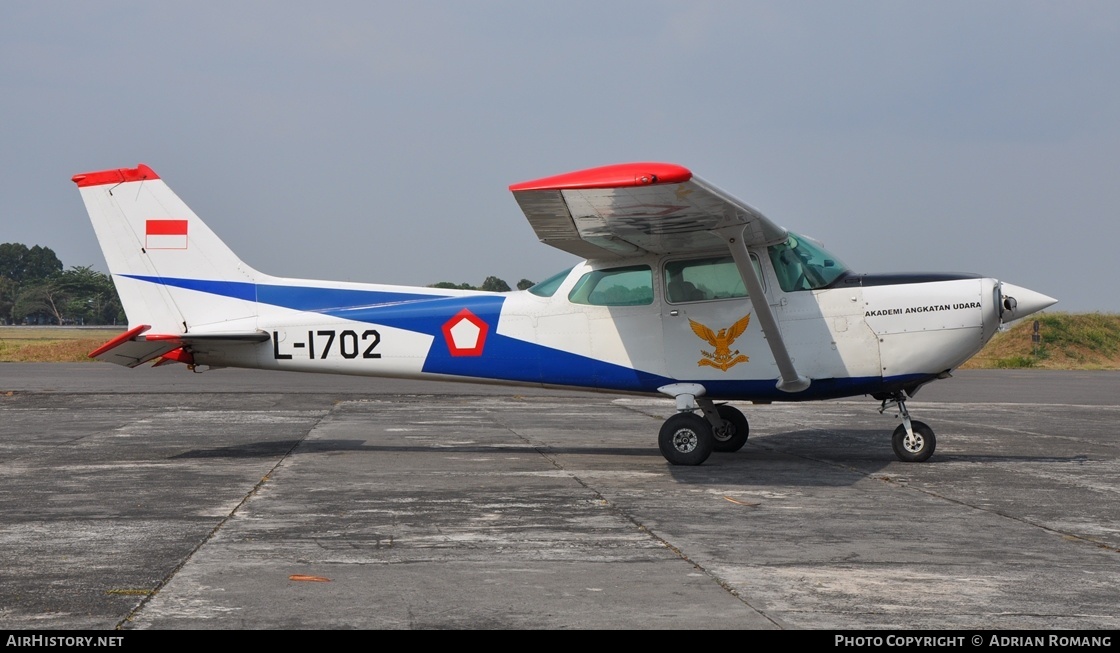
<point>791,381</point>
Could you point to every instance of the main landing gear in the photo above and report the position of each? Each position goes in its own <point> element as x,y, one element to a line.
<point>913,441</point>
<point>688,438</point>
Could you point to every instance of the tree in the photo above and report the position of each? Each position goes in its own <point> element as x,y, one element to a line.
<point>19,263</point>
<point>41,263</point>
<point>79,295</point>
<point>23,281</point>
<point>491,284</point>
<point>12,256</point>
<point>494,284</point>
<point>8,290</point>
<point>38,301</point>
<point>453,286</point>
<point>92,296</point>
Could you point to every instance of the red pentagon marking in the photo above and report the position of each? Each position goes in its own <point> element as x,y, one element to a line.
<point>465,334</point>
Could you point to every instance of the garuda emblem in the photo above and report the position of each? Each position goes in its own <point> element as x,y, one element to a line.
<point>722,358</point>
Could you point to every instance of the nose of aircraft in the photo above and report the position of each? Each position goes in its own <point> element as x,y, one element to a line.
<point>1019,302</point>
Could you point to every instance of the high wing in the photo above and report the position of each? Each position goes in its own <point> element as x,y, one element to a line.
<point>632,209</point>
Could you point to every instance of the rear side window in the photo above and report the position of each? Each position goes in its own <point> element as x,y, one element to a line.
<point>628,286</point>
<point>549,286</point>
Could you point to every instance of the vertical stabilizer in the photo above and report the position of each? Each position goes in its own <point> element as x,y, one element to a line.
<point>162,257</point>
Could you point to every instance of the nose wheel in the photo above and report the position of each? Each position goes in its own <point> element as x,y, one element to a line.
<point>916,446</point>
<point>912,441</point>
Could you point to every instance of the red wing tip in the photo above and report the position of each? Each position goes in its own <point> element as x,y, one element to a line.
<point>613,176</point>
<point>114,176</point>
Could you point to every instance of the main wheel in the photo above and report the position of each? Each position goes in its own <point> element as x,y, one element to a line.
<point>685,439</point>
<point>916,449</point>
<point>733,435</point>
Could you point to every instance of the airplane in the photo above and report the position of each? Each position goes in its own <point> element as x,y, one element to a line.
<point>684,291</point>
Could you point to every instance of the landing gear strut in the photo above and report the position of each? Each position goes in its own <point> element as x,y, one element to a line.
<point>913,441</point>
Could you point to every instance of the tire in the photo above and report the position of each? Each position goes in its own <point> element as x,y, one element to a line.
<point>685,439</point>
<point>734,434</point>
<point>920,449</point>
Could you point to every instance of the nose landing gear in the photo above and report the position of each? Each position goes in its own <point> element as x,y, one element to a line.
<point>913,441</point>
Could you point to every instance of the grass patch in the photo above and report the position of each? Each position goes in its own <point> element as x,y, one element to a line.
<point>1078,334</point>
<point>33,344</point>
<point>1067,341</point>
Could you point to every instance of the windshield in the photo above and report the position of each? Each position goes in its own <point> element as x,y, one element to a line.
<point>801,264</point>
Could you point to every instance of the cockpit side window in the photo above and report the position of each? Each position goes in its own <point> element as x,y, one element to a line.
<point>802,265</point>
<point>627,286</point>
<point>704,279</point>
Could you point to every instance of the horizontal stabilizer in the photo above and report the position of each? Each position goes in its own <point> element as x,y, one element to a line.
<point>135,347</point>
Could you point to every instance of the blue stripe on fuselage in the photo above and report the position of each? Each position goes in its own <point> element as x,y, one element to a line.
<point>300,298</point>
<point>504,358</point>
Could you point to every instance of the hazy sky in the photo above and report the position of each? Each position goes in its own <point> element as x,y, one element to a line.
<point>375,141</point>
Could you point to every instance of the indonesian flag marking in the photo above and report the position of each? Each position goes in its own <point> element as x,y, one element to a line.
<point>165,234</point>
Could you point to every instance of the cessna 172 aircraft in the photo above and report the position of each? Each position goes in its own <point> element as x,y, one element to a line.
<point>686,291</point>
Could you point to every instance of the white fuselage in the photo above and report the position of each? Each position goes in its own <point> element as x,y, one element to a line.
<point>849,339</point>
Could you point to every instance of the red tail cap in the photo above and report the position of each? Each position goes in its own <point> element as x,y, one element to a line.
<point>117,176</point>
